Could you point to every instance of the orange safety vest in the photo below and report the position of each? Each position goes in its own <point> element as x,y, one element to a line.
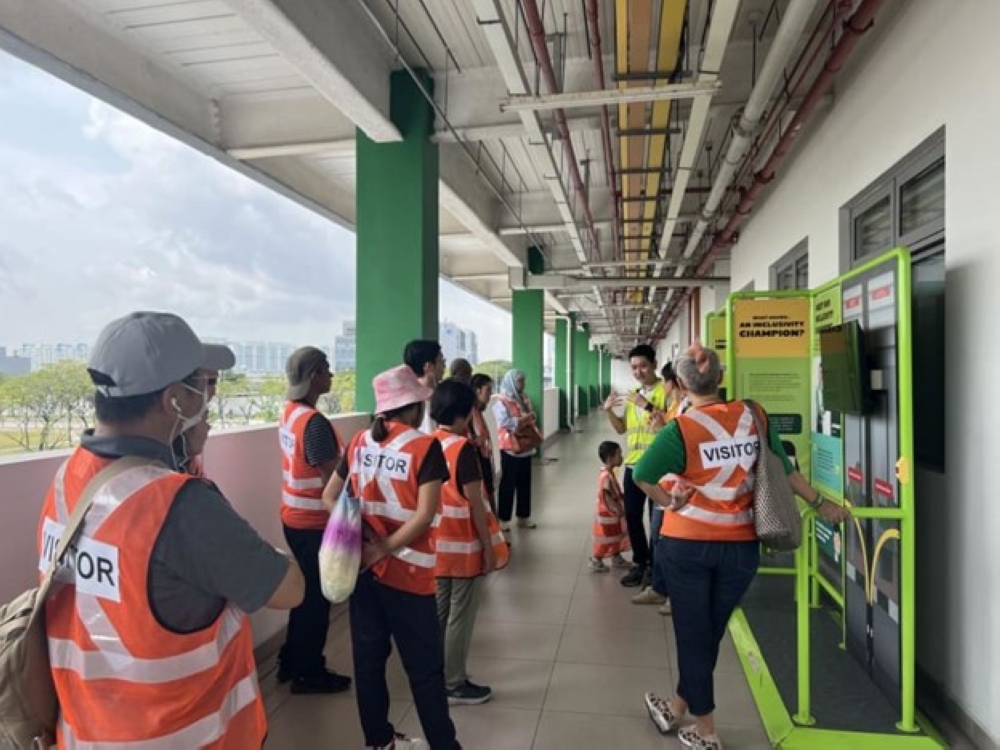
<point>482,431</point>
<point>301,484</point>
<point>459,551</point>
<point>610,532</point>
<point>721,444</point>
<point>507,440</point>
<point>122,678</point>
<point>385,480</point>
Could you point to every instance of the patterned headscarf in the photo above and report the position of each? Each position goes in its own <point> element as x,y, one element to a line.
<point>508,386</point>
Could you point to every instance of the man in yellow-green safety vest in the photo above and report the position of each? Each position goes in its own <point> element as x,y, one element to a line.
<point>645,414</point>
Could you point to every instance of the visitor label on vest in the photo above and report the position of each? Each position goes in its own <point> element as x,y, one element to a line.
<point>725,453</point>
<point>90,565</point>
<point>287,439</point>
<point>385,462</point>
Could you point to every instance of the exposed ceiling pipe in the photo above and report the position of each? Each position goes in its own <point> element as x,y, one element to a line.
<point>593,19</point>
<point>859,23</point>
<point>609,163</point>
<point>536,31</point>
<point>720,29</point>
<point>785,42</point>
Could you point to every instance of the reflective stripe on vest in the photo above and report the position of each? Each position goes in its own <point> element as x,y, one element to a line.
<point>719,468</point>
<point>301,484</point>
<point>385,478</point>
<point>106,647</point>
<point>609,533</point>
<point>638,435</point>
<point>459,549</point>
<point>203,732</point>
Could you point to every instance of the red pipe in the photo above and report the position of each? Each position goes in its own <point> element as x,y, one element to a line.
<point>536,31</point>
<point>854,28</point>
<point>598,58</point>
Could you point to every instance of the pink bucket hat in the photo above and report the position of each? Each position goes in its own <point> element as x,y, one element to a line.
<point>397,388</point>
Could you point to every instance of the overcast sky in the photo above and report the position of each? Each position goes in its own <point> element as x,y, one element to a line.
<point>101,215</point>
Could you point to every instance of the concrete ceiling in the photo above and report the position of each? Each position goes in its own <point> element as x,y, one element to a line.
<point>277,89</point>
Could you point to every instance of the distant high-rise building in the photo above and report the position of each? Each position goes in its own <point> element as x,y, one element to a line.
<point>458,342</point>
<point>13,364</point>
<point>345,348</point>
<point>40,355</point>
<point>455,342</point>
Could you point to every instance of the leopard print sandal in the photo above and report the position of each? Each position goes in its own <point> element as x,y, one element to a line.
<point>691,738</point>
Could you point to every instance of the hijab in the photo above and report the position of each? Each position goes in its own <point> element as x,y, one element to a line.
<point>508,387</point>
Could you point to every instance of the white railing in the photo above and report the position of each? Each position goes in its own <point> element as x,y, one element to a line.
<point>244,462</point>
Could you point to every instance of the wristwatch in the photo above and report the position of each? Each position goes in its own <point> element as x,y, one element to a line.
<point>817,502</point>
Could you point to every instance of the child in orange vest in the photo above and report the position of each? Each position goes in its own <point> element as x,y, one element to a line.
<point>610,534</point>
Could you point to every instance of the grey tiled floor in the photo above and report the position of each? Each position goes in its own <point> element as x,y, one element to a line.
<point>568,656</point>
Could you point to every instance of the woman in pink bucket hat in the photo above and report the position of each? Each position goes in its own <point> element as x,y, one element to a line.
<point>396,472</point>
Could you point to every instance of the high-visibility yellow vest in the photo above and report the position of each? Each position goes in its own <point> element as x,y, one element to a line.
<point>638,434</point>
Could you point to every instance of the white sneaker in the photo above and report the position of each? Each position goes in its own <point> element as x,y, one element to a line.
<point>505,527</point>
<point>620,562</point>
<point>402,742</point>
<point>526,523</point>
<point>665,609</point>
<point>597,566</point>
<point>648,596</point>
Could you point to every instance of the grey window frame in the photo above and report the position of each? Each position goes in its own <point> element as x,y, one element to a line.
<point>889,185</point>
<point>791,258</point>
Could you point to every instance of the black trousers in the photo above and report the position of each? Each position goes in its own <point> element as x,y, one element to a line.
<point>516,479</point>
<point>635,508</point>
<point>309,622</point>
<point>380,613</point>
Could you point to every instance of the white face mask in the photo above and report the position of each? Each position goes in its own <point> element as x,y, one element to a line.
<point>188,422</point>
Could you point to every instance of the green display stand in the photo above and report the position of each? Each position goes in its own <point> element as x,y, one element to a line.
<point>847,599</point>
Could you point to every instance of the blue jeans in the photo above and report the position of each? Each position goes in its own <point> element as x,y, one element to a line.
<point>706,581</point>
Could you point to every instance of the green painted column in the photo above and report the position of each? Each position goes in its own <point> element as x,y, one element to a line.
<point>607,376</point>
<point>595,395</point>
<point>397,236</point>
<point>581,355</point>
<point>529,333</point>
<point>564,361</point>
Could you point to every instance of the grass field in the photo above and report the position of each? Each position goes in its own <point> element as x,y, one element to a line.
<point>9,444</point>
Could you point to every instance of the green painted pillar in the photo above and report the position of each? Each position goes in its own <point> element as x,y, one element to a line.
<point>529,332</point>
<point>564,361</point>
<point>607,376</point>
<point>595,395</point>
<point>581,355</point>
<point>397,236</point>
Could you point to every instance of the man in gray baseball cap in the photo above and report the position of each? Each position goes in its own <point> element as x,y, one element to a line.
<point>204,566</point>
<point>310,451</point>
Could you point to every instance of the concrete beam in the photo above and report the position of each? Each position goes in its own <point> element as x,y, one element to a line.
<point>336,49</point>
<point>577,99</point>
<point>583,284</point>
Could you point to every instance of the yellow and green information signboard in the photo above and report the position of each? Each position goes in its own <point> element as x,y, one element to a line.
<point>771,361</point>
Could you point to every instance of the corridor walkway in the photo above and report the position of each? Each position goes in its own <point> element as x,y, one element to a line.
<point>568,656</point>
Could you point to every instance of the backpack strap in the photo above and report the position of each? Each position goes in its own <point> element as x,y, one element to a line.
<point>75,523</point>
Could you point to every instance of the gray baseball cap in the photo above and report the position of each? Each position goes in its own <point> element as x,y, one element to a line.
<point>144,352</point>
<point>300,368</point>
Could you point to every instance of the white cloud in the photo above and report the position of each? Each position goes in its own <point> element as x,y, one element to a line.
<point>100,214</point>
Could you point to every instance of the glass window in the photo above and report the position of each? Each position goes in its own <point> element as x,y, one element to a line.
<point>873,229</point>
<point>792,273</point>
<point>921,199</point>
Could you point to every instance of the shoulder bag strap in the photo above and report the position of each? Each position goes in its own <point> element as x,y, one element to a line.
<point>755,411</point>
<point>75,522</point>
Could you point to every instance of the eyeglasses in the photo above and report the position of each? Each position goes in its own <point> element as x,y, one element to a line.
<point>210,382</point>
